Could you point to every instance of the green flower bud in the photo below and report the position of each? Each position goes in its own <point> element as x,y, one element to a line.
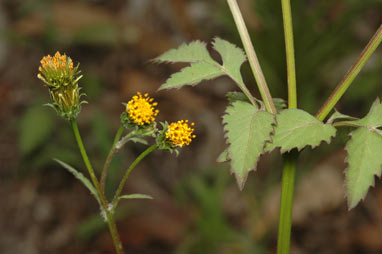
<point>61,78</point>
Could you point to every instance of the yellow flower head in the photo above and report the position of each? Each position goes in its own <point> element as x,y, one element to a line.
<point>58,62</point>
<point>180,133</point>
<point>141,109</point>
<point>58,71</point>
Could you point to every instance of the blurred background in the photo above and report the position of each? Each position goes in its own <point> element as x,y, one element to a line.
<point>197,207</point>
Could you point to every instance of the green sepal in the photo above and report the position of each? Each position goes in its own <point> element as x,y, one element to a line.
<point>162,142</point>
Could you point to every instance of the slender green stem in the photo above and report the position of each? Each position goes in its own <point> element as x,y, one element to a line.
<point>110,157</point>
<point>128,171</point>
<point>287,189</point>
<point>350,75</point>
<point>104,202</point>
<point>289,46</point>
<point>346,124</point>
<point>252,57</point>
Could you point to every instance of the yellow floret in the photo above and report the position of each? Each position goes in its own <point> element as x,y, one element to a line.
<point>180,133</point>
<point>57,62</point>
<point>141,109</point>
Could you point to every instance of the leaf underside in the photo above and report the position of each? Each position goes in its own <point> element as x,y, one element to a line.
<point>247,130</point>
<point>297,129</point>
<point>364,155</point>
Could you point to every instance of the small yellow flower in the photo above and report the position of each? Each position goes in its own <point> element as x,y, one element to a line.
<point>180,133</point>
<point>141,109</point>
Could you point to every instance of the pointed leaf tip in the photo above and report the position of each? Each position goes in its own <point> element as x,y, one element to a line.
<point>247,130</point>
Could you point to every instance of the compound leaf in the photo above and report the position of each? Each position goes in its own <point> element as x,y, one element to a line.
<point>296,129</point>
<point>232,56</point>
<point>192,75</point>
<point>247,130</point>
<point>195,51</point>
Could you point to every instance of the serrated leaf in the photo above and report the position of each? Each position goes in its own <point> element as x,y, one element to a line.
<point>36,125</point>
<point>232,56</point>
<point>296,129</point>
<point>80,177</point>
<point>247,130</point>
<point>135,196</point>
<point>374,117</point>
<point>192,75</point>
<point>223,157</point>
<point>186,53</point>
<point>364,155</point>
<point>365,161</point>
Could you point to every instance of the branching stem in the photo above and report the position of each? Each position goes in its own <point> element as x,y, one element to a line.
<point>110,157</point>
<point>104,202</point>
<point>127,173</point>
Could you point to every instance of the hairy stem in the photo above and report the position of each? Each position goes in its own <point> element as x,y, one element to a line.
<point>350,75</point>
<point>128,172</point>
<point>286,203</point>
<point>104,202</point>
<point>252,57</point>
<point>110,158</point>
<point>289,46</point>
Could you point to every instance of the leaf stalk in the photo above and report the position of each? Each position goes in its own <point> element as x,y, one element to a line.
<point>350,75</point>
<point>252,57</point>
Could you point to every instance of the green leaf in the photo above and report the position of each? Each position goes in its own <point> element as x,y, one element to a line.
<point>135,196</point>
<point>232,56</point>
<point>187,53</point>
<point>339,116</point>
<point>296,129</point>
<point>365,161</point>
<point>203,67</point>
<point>223,157</point>
<point>138,140</point>
<point>364,155</point>
<point>247,130</point>
<point>192,75</point>
<point>236,96</point>
<point>80,177</point>
<point>36,125</point>
<point>374,117</point>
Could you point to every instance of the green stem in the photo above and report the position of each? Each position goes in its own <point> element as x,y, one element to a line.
<point>128,172</point>
<point>252,57</point>
<point>287,189</point>
<point>110,157</point>
<point>350,75</point>
<point>109,216</point>
<point>289,46</point>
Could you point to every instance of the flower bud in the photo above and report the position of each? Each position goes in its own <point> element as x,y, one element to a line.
<point>61,78</point>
